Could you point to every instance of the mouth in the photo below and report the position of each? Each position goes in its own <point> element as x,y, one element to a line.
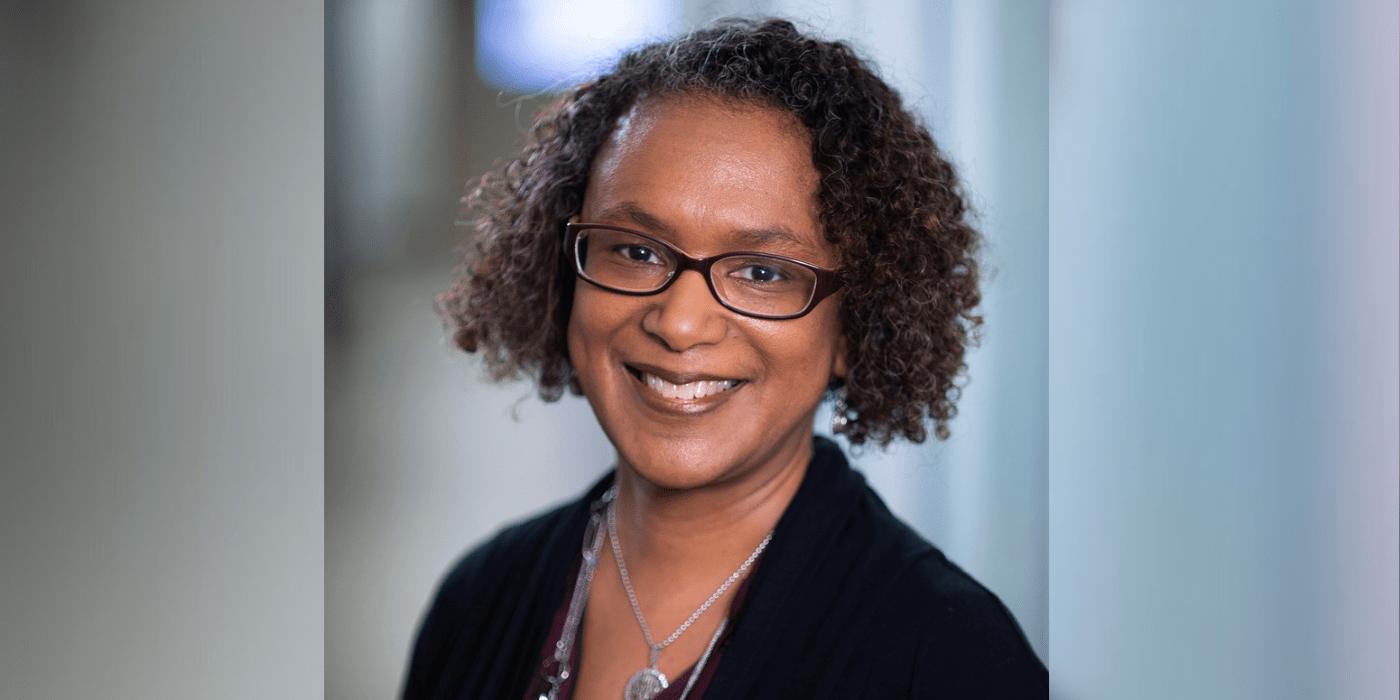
<point>682,388</point>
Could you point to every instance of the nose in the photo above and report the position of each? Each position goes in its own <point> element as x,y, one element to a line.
<point>686,314</point>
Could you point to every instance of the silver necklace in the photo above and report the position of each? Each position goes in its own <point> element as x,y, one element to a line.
<point>592,548</point>
<point>650,681</point>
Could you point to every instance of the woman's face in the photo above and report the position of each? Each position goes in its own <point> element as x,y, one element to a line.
<point>707,177</point>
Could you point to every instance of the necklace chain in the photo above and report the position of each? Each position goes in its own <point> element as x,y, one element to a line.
<point>632,595</point>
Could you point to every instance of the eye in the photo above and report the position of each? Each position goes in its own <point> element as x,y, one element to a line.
<point>760,273</point>
<point>639,254</point>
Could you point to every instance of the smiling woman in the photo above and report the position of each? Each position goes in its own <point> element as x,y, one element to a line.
<point>705,243</point>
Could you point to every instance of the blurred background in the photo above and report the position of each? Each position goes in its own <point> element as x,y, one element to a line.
<point>1222,347</point>
<point>424,459</point>
<point>161,483</point>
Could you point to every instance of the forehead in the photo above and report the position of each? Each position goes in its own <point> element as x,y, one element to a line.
<point>709,174</point>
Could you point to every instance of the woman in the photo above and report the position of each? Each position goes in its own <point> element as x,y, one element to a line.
<point>705,243</point>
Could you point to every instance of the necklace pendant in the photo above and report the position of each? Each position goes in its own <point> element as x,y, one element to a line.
<point>645,684</point>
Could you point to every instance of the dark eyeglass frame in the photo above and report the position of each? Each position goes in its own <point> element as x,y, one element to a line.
<point>828,281</point>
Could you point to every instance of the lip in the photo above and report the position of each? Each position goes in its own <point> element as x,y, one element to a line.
<point>692,405</point>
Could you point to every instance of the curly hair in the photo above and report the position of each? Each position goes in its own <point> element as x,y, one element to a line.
<point>888,200</point>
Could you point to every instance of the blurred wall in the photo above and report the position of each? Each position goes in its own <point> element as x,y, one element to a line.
<point>1223,349</point>
<point>424,458</point>
<point>160,350</point>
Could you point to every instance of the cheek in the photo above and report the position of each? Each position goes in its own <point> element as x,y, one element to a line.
<point>807,353</point>
<point>592,321</point>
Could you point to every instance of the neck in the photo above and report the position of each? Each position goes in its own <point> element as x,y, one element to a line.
<point>682,530</point>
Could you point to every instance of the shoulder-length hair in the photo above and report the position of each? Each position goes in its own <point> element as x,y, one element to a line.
<point>888,200</point>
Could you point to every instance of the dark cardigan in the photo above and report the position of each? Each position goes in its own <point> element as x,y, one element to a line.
<point>847,602</point>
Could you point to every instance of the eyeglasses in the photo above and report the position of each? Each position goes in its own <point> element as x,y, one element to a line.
<point>753,284</point>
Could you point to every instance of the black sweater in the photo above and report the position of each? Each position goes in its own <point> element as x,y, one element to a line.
<point>847,602</point>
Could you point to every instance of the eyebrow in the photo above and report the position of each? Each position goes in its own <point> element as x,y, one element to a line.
<point>634,213</point>
<point>751,238</point>
<point>768,236</point>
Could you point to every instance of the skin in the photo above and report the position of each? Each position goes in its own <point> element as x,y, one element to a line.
<point>700,481</point>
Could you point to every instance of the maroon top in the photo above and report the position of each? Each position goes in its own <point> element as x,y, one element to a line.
<point>539,687</point>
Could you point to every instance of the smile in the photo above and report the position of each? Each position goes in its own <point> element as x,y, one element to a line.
<point>693,390</point>
<point>688,391</point>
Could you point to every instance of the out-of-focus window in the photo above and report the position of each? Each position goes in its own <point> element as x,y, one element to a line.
<point>527,46</point>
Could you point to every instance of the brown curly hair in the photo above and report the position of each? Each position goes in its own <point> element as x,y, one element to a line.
<point>888,200</point>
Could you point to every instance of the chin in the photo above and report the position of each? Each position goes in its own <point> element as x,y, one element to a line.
<point>676,481</point>
<point>681,464</point>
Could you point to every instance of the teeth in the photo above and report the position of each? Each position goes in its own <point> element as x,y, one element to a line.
<point>693,390</point>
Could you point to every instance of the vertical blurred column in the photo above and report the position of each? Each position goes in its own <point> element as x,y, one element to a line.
<point>393,95</point>
<point>995,466</point>
<point>1223,349</point>
<point>1357,238</point>
<point>160,364</point>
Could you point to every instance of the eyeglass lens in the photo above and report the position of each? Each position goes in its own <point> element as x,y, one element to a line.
<point>753,284</point>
